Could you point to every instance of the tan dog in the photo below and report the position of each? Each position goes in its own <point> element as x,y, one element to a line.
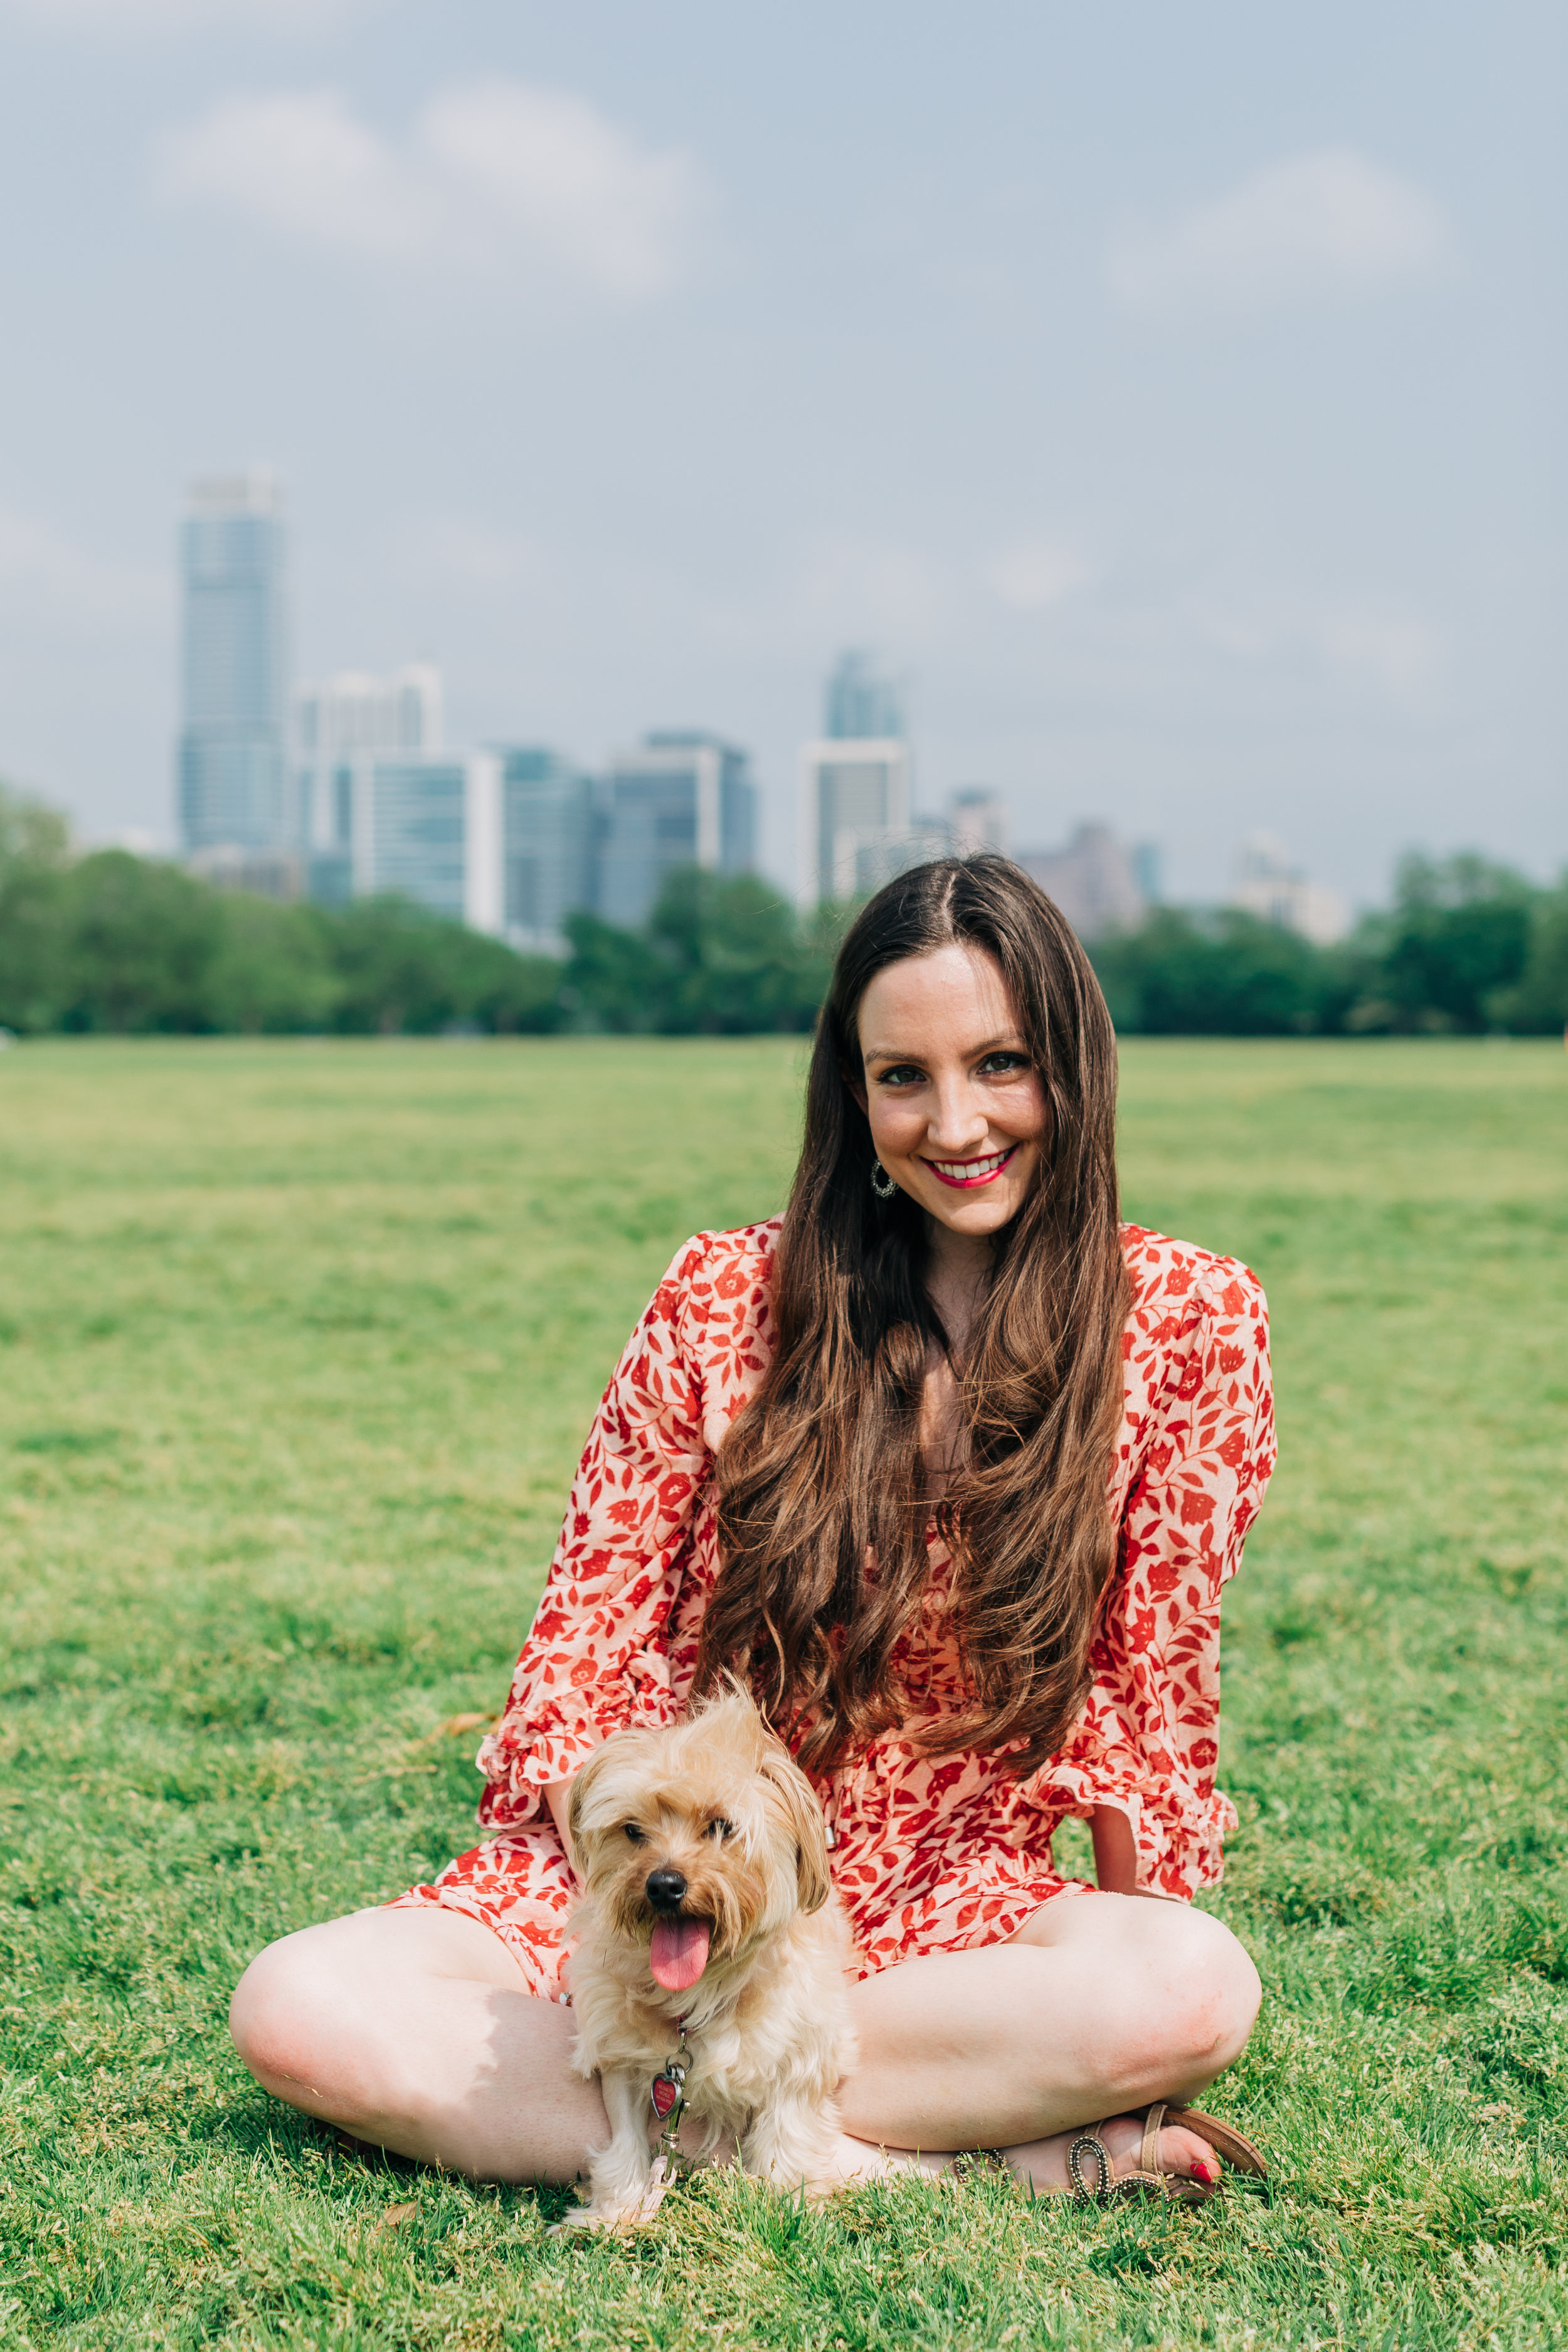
<point>709,1937</point>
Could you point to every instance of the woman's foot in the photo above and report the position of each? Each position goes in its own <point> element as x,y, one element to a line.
<point>1042,2164</point>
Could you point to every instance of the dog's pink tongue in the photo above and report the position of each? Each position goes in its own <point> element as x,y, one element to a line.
<point>679,1953</point>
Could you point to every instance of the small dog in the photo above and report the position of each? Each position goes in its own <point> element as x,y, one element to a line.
<point>708,1971</point>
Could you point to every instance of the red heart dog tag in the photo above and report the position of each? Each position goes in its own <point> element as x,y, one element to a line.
<point>664,2095</point>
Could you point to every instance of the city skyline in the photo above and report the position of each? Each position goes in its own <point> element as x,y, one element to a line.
<point>340,788</point>
<point>1178,417</point>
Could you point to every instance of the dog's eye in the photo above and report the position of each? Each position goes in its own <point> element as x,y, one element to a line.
<point>719,1829</point>
<point>636,1835</point>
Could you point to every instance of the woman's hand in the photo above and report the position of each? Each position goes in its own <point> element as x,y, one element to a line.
<point>1115,1854</point>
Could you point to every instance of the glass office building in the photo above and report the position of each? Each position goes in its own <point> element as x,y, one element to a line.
<point>549,829</point>
<point>341,720</point>
<point>429,828</point>
<point>233,752</point>
<point>861,700</point>
<point>679,799</point>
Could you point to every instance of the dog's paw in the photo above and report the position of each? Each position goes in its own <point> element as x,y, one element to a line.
<point>582,2217</point>
<point>615,2217</point>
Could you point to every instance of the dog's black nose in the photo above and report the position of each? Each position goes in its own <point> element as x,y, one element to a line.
<point>665,1889</point>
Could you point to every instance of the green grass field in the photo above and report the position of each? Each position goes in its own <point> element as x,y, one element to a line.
<point>300,1344</point>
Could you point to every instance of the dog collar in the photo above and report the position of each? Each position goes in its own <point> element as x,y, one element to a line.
<point>669,2098</point>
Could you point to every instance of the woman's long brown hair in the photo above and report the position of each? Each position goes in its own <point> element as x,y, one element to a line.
<point>823,1499</point>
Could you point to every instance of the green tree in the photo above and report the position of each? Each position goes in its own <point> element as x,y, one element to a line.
<point>614,980</point>
<point>1460,933</point>
<point>34,848</point>
<point>392,964</point>
<point>736,955</point>
<point>718,956</point>
<point>1224,975</point>
<point>510,994</point>
<point>399,968</point>
<point>273,969</point>
<point>1537,1003</point>
<point>141,943</point>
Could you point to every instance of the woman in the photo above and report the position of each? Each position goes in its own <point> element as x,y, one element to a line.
<point>862,1456</point>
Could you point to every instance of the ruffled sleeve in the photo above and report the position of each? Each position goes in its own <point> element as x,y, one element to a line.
<point>1146,1743</point>
<point>596,1656</point>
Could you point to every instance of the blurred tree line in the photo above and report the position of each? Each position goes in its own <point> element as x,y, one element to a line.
<point>117,944</point>
<point>1467,947</point>
<point>128,945</point>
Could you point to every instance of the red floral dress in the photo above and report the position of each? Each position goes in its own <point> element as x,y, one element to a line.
<point>929,1855</point>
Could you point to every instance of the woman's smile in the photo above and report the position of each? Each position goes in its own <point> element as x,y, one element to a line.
<point>964,1175</point>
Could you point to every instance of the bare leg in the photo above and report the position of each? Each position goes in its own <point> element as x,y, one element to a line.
<point>415,2029</point>
<point>1102,2004</point>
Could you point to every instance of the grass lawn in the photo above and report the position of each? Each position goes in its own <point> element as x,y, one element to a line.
<point>300,1343</point>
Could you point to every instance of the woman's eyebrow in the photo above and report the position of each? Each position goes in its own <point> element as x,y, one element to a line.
<point>1009,1037</point>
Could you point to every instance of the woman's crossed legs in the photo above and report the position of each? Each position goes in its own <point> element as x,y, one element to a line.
<point>413,2029</point>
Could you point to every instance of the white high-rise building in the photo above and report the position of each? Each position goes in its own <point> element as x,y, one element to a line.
<point>352,715</point>
<point>854,815</point>
<point>430,827</point>
<point>354,710</point>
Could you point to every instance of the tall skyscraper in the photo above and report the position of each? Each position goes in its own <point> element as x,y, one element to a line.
<point>861,700</point>
<point>679,799</point>
<point>548,833</point>
<point>233,752</point>
<point>855,829</point>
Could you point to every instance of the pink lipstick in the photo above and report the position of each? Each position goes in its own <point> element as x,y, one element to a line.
<point>990,1167</point>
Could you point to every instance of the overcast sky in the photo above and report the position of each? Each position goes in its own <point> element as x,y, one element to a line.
<point>1175,394</point>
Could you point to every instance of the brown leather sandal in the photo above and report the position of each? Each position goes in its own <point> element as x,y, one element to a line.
<point>1149,2180</point>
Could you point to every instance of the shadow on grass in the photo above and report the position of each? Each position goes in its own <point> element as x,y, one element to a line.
<point>266,2130</point>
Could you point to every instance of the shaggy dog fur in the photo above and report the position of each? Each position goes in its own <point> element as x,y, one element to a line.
<point>704,1858</point>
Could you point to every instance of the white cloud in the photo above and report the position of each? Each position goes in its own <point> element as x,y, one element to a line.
<point>494,176</point>
<point>1034,573</point>
<point>1323,226</point>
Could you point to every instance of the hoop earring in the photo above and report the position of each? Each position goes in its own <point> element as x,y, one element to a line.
<point>884,1189</point>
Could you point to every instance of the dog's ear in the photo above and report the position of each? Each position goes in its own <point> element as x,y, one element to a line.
<point>578,1797</point>
<point>804,1814</point>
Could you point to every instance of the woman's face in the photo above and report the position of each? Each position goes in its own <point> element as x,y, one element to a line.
<point>957,1110</point>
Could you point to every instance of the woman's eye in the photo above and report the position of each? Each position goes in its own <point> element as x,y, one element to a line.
<point>1004,1065</point>
<point>906,1074</point>
<point>636,1834</point>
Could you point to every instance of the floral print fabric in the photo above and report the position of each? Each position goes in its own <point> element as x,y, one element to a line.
<point>929,1855</point>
